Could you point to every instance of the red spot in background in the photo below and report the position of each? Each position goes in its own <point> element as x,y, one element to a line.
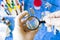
<point>37,3</point>
<point>2,5</point>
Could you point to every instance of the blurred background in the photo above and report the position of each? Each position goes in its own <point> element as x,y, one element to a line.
<point>10,11</point>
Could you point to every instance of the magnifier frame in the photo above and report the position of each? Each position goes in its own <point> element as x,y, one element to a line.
<point>37,20</point>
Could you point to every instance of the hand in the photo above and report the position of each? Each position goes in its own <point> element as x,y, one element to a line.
<point>20,31</point>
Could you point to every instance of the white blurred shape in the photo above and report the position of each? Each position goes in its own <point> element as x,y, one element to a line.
<point>48,5</point>
<point>4,31</point>
<point>37,8</point>
<point>53,19</point>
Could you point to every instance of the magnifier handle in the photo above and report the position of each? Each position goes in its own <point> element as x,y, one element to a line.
<point>42,22</point>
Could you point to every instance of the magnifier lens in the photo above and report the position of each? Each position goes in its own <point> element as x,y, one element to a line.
<point>32,23</point>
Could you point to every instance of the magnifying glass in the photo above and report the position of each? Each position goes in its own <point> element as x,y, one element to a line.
<point>33,23</point>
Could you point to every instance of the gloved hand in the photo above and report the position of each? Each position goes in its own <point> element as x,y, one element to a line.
<point>52,19</point>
